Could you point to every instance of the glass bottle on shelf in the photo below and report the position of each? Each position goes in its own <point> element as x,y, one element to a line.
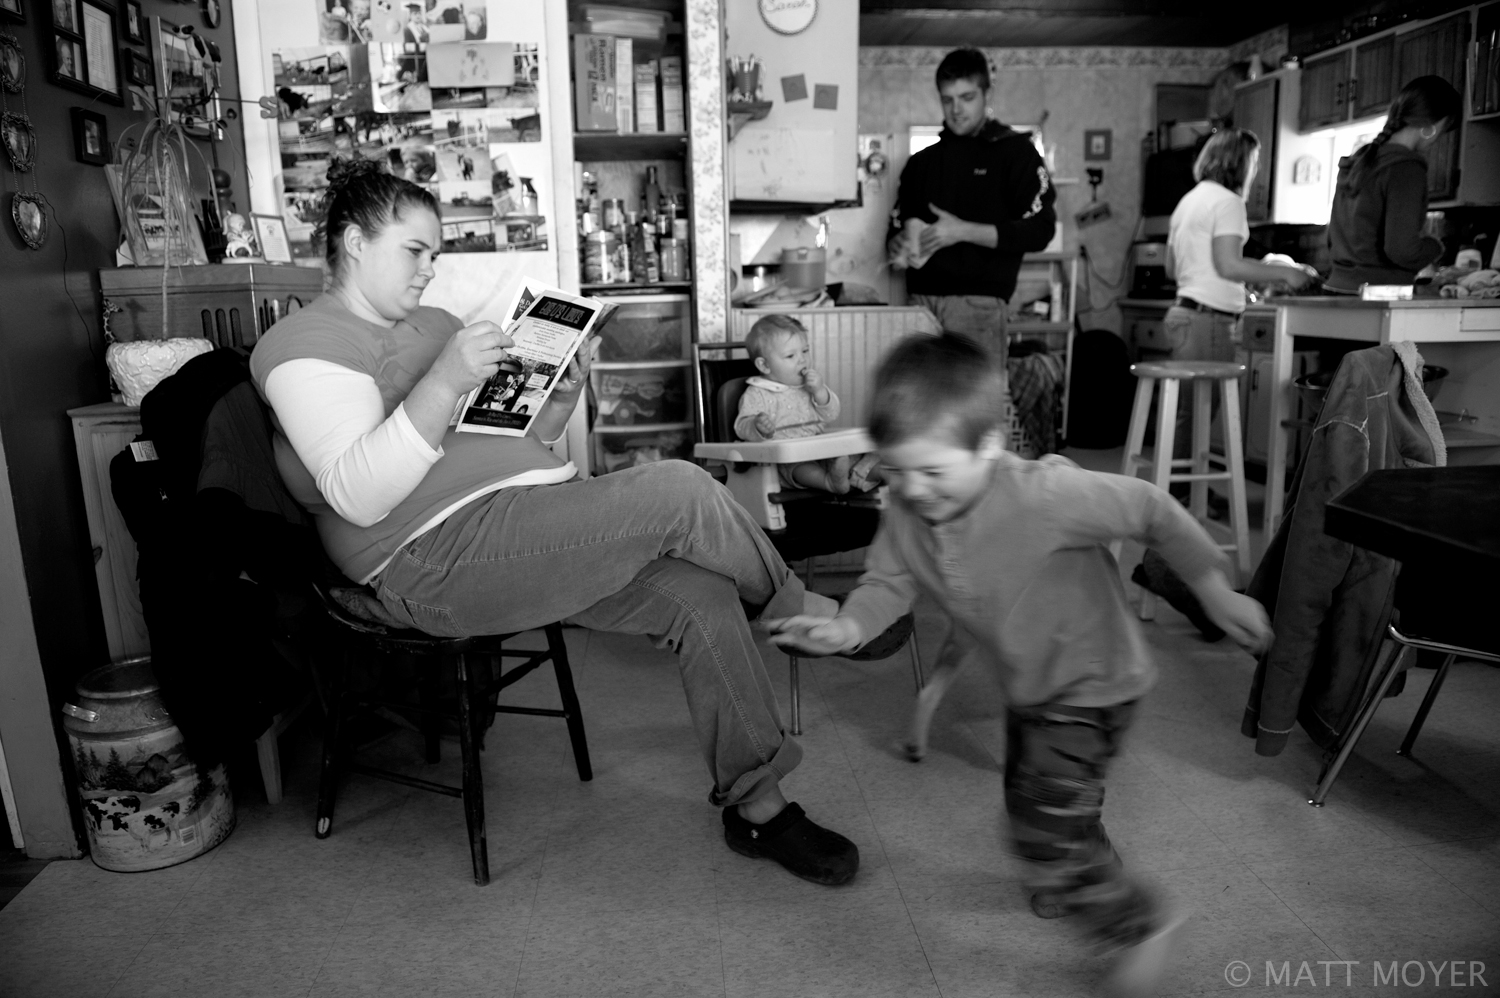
<point>637,248</point>
<point>652,194</point>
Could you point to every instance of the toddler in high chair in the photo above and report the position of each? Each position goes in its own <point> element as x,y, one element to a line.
<point>789,399</point>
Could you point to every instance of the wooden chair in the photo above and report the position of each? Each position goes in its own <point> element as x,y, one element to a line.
<point>477,667</point>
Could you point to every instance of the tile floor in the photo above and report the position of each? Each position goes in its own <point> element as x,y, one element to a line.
<point>623,886</point>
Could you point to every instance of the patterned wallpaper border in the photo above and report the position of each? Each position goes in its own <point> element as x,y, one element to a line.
<point>709,205</point>
<point>927,57</point>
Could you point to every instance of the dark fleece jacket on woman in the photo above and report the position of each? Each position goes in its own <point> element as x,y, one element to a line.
<point>1375,230</point>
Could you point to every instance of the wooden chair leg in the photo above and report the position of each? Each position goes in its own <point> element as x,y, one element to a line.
<point>916,664</point>
<point>1421,718</point>
<point>1135,438</point>
<point>1234,453</point>
<point>1330,773</point>
<point>469,708</point>
<point>333,725</point>
<point>1203,416</point>
<point>796,696</point>
<point>1161,466</point>
<point>565,689</point>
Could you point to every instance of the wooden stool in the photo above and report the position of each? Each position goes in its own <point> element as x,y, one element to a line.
<point>1198,470</point>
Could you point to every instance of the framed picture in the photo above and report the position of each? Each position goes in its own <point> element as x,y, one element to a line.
<point>12,64</point>
<point>83,48</point>
<point>69,54</point>
<point>99,46</point>
<point>30,217</point>
<point>19,139</point>
<point>270,232</point>
<point>212,12</point>
<point>90,137</point>
<point>137,68</point>
<point>134,23</point>
<point>186,77</point>
<point>13,9</point>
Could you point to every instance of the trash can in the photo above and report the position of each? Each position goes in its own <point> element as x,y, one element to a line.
<point>146,803</point>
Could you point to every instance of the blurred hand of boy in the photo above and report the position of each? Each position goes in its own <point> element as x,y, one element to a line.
<point>815,635</point>
<point>1241,617</point>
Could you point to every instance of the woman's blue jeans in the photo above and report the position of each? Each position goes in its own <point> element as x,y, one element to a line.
<point>661,550</point>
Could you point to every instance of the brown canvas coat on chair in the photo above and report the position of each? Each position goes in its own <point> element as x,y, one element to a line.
<point>1329,601</point>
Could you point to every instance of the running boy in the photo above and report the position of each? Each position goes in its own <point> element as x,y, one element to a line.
<point>1015,552</point>
<point>790,399</point>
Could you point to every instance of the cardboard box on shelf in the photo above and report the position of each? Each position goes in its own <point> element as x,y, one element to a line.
<point>594,77</point>
<point>625,84</point>
<point>646,117</point>
<point>672,116</point>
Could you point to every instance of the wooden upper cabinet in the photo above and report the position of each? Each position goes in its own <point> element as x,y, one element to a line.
<point>1255,110</point>
<point>1374,77</point>
<point>1435,50</point>
<point>1325,82</point>
<point>1439,49</point>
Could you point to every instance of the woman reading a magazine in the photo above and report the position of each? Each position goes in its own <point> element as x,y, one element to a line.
<point>472,533</point>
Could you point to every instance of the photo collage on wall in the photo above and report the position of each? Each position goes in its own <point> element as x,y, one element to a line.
<point>419,88</point>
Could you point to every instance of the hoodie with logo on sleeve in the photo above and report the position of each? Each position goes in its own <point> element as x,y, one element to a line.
<point>993,177</point>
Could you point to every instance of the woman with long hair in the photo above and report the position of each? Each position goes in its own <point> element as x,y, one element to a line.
<point>1205,252</point>
<point>1375,231</point>
<point>466,533</point>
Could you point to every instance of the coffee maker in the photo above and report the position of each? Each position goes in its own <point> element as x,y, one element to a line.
<point>1148,269</point>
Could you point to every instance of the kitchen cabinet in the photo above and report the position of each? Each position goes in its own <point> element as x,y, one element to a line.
<point>1255,109</point>
<point>1145,326</point>
<point>1437,49</point>
<point>1324,83</point>
<point>1374,77</point>
<point>1485,97</point>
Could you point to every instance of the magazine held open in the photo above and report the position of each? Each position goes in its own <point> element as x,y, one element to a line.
<point>548,326</point>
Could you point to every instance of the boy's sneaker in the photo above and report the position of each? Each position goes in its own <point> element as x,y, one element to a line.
<point>1139,969</point>
<point>808,850</point>
<point>1047,906</point>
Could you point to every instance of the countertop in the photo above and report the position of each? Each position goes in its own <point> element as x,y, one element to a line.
<point>1349,301</point>
<point>1334,301</point>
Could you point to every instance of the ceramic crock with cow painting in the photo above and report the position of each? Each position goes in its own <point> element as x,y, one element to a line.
<point>146,804</point>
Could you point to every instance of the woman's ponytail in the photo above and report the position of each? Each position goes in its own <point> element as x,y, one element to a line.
<point>1427,100</point>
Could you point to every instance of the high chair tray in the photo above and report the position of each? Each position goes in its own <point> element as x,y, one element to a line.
<point>824,445</point>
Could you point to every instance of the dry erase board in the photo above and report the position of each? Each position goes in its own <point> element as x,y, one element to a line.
<point>788,164</point>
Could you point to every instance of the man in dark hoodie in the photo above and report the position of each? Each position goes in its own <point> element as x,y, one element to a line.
<point>985,198</point>
<point>1375,230</point>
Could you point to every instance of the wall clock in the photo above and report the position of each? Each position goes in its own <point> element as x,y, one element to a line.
<point>788,17</point>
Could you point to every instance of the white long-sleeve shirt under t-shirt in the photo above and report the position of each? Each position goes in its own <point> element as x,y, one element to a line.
<point>365,463</point>
<point>347,449</point>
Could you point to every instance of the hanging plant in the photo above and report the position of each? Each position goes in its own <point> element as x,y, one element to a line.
<point>155,197</point>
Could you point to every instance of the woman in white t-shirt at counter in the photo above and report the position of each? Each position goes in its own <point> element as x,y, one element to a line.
<point>1204,252</point>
